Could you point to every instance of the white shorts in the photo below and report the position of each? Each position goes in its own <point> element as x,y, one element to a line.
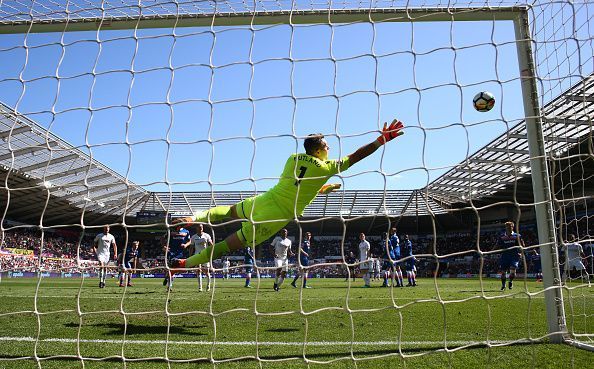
<point>225,270</point>
<point>366,265</point>
<point>282,263</point>
<point>575,263</point>
<point>103,258</point>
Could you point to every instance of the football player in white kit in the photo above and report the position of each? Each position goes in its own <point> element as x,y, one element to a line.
<point>101,246</point>
<point>574,253</point>
<point>226,266</point>
<point>197,243</point>
<point>364,265</point>
<point>282,251</point>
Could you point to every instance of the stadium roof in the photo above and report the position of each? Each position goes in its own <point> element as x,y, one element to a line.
<point>41,166</point>
<point>43,163</point>
<point>505,162</point>
<point>348,204</point>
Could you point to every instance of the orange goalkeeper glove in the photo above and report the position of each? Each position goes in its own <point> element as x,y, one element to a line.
<point>326,189</point>
<point>391,132</point>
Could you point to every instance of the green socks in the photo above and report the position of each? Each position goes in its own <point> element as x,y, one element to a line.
<point>220,248</point>
<point>213,215</point>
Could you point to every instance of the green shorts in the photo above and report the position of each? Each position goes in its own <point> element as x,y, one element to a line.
<point>265,217</point>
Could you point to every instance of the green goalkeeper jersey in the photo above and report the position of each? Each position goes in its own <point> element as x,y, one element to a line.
<point>302,178</point>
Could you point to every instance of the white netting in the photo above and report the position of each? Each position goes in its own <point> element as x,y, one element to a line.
<point>127,112</point>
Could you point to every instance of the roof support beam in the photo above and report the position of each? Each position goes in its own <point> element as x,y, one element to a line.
<point>569,121</point>
<point>81,182</point>
<point>28,150</point>
<point>580,98</point>
<point>547,138</point>
<point>83,169</point>
<point>472,179</point>
<point>508,151</point>
<point>106,196</point>
<point>49,163</point>
<point>91,189</point>
<point>482,171</point>
<point>14,132</point>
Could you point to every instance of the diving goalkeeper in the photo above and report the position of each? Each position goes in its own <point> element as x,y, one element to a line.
<point>303,177</point>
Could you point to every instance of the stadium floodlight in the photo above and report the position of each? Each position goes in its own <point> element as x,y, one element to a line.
<point>190,93</point>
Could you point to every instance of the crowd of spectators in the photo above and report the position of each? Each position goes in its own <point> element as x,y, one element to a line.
<point>452,253</point>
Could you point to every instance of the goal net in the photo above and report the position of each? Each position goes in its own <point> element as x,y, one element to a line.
<point>134,113</point>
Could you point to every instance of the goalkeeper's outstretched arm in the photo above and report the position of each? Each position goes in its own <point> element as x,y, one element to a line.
<point>388,134</point>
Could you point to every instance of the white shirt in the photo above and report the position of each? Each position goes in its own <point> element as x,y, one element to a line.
<point>200,241</point>
<point>573,251</point>
<point>226,264</point>
<point>364,248</point>
<point>281,247</point>
<point>103,242</point>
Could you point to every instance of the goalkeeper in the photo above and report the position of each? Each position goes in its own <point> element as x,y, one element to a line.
<point>303,177</point>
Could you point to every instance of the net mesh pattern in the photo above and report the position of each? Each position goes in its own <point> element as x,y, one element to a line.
<point>106,115</point>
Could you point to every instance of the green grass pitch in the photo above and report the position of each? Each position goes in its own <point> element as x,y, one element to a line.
<point>70,323</point>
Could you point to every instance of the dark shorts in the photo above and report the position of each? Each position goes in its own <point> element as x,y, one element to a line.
<point>174,256</point>
<point>304,262</point>
<point>410,264</point>
<point>388,265</point>
<point>508,262</point>
<point>249,268</point>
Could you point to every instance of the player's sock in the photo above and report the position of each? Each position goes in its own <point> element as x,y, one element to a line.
<point>503,280</point>
<point>280,281</point>
<point>367,279</point>
<point>248,279</point>
<point>295,279</point>
<point>220,248</point>
<point>200,281</point>
<point>213,215</point>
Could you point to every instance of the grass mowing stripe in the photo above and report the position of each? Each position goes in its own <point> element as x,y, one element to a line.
<point>276,343</point>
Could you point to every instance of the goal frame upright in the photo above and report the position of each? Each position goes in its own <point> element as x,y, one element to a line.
<point>517,14</point>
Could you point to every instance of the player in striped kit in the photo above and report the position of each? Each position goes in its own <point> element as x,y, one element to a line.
<point>102,244</point>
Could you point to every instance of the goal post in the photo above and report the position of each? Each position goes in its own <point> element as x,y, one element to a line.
<point>543,201</point>
<point>72,22</point>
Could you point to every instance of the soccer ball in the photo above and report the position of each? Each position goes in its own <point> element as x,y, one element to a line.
<point>483,101</point>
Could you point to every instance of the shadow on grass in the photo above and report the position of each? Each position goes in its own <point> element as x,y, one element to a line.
<point>319,356</point>
<point>282,330</point>
<point>117,329</point>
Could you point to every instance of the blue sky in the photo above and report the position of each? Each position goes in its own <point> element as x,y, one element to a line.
<point>342,80</point>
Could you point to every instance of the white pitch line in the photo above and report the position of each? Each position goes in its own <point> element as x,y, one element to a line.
<point>175,297</point>
<point>253,343</point>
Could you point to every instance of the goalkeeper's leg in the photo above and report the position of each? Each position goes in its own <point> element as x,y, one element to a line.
<point>216,214</point>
